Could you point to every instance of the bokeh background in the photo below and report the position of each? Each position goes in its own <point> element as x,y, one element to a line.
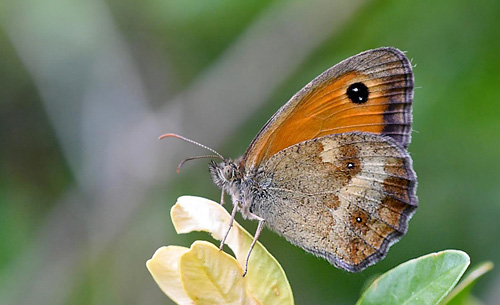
<point>86,87</point>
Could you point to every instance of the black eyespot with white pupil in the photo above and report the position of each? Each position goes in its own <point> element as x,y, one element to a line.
<point>358,219</point>
<point>358,93</point>
<point>350,165</point>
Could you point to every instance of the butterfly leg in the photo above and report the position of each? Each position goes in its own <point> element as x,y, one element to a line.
<point>256,236</point>
<point>222,198</point>
<point>233,214</point>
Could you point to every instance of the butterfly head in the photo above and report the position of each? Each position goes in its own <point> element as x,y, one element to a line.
<point>225,174</point>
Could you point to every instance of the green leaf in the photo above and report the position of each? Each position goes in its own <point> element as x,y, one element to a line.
<point>424,280</point>
<point>461,294</point>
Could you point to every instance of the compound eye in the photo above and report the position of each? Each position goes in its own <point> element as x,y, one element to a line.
<point>228,172</point>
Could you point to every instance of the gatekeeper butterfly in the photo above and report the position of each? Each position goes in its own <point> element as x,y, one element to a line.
<point>330,170</point>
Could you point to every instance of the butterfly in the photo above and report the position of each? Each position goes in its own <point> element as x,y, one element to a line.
<point>330,170</point>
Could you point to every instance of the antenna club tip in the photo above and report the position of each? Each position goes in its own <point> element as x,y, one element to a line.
<point>167,135</point>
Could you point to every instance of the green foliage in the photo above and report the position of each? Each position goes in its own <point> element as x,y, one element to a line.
<point>426,280</point>
<point>461,295</point>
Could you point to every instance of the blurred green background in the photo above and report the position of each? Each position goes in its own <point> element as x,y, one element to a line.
<point>88,86</point>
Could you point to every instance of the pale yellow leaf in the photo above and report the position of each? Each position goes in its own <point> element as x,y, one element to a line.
<point>164,267</point>
<point>266,280</point>
<point>210,276</point>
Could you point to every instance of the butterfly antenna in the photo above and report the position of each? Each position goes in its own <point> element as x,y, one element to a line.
<point>194,158</point>
<point>173,135</point>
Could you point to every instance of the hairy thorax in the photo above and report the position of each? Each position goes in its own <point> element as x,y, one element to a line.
<point>240,185</point>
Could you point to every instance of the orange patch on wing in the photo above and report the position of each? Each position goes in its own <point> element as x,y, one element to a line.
<point>396,167</point>
<point>331,201</point>
<point>391,210</point>
<point>325,110</point>
<point>398,188</point>
<point>358,250</point>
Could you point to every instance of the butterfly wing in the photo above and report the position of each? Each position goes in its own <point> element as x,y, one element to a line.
<point>346,197</point>
<point>369,92</point>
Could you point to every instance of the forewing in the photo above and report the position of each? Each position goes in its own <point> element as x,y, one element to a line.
<point>323,106</point>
